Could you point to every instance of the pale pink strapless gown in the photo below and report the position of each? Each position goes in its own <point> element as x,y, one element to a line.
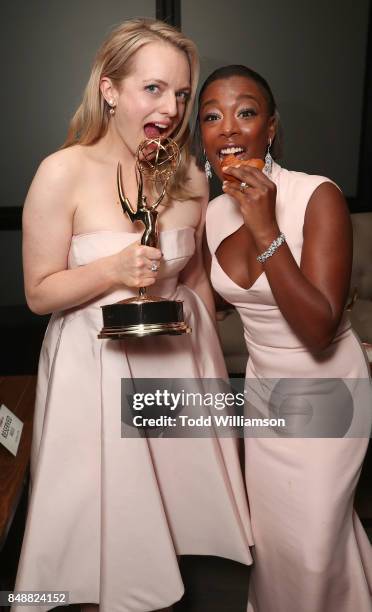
<point>108,516</point>
<point>311,553</point>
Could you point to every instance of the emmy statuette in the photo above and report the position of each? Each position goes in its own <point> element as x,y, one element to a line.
<point>146,315</point>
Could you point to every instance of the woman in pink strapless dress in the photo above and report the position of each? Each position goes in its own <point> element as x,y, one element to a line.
<point>311,553</point>
<point>108,516</point>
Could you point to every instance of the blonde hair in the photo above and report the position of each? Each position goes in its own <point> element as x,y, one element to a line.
<point>114,60</point>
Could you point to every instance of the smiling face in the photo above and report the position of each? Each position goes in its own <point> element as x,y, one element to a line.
<point>151,101</point>
<point>234,119</point>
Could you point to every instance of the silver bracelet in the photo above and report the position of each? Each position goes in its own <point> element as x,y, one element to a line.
<point>272,248</point>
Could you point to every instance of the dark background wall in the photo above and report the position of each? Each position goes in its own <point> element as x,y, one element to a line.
<point>313,54</point>
<point>47,48</point>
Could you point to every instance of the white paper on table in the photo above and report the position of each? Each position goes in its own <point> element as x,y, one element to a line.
<point>10,429</point>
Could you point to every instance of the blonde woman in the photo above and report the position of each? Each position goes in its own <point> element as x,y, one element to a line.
<point>108,516</point>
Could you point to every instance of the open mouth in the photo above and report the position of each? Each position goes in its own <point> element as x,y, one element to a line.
<point>238,152</point>
<point>155,130</point>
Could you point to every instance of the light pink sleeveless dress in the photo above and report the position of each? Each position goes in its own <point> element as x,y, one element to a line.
<point>311,553</point>
<point>108,516</point>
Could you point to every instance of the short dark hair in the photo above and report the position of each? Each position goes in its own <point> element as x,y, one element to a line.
<point>226,72</point>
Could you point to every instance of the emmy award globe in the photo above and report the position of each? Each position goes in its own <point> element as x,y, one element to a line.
<point>146,315</point>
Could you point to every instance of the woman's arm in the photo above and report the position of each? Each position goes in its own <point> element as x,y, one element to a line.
<point>194,274</point>
<point>311,296</point>
<point>47,231</point>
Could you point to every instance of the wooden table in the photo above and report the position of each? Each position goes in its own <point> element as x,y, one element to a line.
<point>18,394</point>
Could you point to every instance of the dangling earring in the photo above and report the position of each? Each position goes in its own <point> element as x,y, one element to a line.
<point>268,161</point>
<point>112,109</point>
<point>207,167</point>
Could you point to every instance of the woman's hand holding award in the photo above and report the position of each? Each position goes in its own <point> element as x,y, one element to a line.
<point>146,315</point>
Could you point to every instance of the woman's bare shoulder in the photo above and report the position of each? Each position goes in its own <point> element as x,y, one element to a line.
<point>63,164</point>
<point>55,181</point>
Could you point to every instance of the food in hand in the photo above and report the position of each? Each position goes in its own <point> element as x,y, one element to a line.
<point>231,160</point>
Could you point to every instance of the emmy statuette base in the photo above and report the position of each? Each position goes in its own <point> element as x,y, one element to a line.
<point>143,316</point>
